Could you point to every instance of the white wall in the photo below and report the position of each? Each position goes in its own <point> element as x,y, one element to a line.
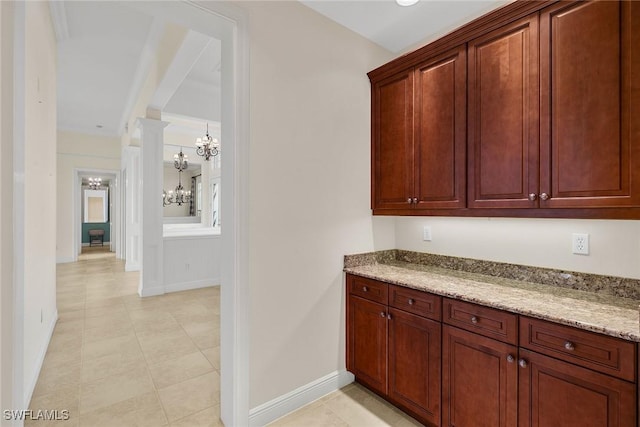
<point>6,193</point>
<point>78,151</point>
<point>191,262</point>
<point>39,256</point>
<point>309,190</point>
<point>614,245</point>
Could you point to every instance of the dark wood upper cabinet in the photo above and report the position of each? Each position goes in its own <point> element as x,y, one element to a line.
<point>503,116</point>
<point>392,165</point>
<point>528,111</point>
<point>440,131</point>
<point>589,147</point>
<point>419,136</point>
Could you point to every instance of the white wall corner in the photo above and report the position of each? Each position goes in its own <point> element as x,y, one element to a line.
<point>270,411</point>
<point>40,361</point>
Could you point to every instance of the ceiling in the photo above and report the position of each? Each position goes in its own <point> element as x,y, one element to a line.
<point>397,28</point>
<point>106,49</point>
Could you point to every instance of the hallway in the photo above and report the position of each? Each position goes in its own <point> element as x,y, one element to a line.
<point>118,360</point>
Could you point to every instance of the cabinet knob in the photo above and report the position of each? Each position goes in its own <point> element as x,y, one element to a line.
<point>474,319</point>
<point>523,363</point>
<point>415,200</point>
<point>533,196</point>
<point>409,200</point>
<point>365,289</point>
<point>544,196</point>
<point>411,301</point>
<point>389,316</point>
<point>569,346</point>
<point>510,358</point>
<point>383,314</point>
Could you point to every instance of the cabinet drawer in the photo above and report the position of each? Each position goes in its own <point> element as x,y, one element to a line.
<point>489,322</point>
<point>417,302</point>
<point>601,353</point>
<point>368,288</point>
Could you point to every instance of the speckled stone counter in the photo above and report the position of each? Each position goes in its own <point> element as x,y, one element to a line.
<point>597,308</point>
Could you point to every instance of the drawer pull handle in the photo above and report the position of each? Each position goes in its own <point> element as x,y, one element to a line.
<point>411,301</point>
<point>523,363</point>
<point>365,289</point>
<point>383,314</point>
<point>510,358</point>
<point>474,319</point>
<point>569,346</point>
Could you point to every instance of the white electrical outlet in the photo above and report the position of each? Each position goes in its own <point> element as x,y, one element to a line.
<point>580,243</point>
<point>426,233</point>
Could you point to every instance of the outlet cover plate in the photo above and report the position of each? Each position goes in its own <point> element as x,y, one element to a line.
<point>426,233</point>
<point>580,243</point>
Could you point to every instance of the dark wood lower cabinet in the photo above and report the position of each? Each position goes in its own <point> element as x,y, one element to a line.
<point>414,364</point>
<point>367,347</point>
<point>451,377</point>
<point>479,380</point>
<point>555,393</point>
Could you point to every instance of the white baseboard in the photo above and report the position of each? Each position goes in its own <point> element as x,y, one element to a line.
<point>130,266</point>
<point>151,292</point>
<point>89,245</point>
<point>43,351</point>
<point>281,406</point>
<point>64,259</point>
<point>196,284</point>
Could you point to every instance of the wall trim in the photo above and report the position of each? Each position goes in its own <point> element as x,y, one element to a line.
<point>40,361</point>
<point>280,406</point>
<point>64,259</point>
<point>195,284</point>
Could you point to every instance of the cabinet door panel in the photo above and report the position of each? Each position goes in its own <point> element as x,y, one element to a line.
<point>585,87</point>
<point>392,167</point>
<point>367,359</point>
<point>441,131</point>
<point>503,116</point>
<point>414,364</point>
<point>555,393</point>
<point>479,384</point>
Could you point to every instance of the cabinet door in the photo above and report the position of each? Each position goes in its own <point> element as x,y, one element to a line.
<point>440,131</point>
<point>503,117</point>
<point>479,381</point>
<point>414,364</point>
<point>392,129</point>
<point>367,342</point>
<point>556,393</point>
<point>590,66</point>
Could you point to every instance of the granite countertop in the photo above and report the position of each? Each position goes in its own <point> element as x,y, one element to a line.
<point>593,311</point>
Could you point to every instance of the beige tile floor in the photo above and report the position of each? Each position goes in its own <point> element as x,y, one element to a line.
<point>116,360</point>
<point>351,406</point>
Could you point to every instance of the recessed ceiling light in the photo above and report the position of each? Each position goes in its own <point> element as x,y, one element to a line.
<point>406,2</point>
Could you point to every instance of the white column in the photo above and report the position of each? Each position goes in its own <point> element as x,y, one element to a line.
<point>151,276</point>
<point>131,174</point>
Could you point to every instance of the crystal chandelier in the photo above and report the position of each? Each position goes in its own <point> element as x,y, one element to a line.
<point>179,196</point>
<point>95,183</point>
<point>207,146</point>
<point>180,161</point>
